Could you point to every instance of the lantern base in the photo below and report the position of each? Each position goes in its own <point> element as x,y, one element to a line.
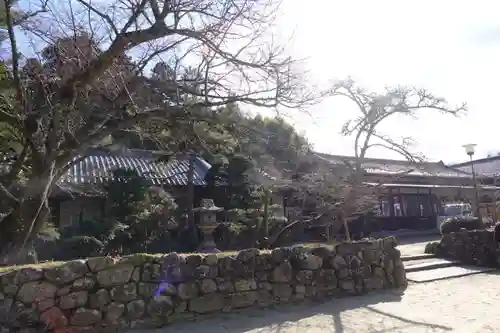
<point>208,244</point>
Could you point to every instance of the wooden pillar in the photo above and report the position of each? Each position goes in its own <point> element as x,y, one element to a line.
<point>495,198</point>
<point>419,210</point>
<point>190,199</point>
<point>391,202</point>
<point>431,202</point>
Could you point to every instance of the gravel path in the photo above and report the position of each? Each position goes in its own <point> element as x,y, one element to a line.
<point>415,246</point>
<point>468,304</point>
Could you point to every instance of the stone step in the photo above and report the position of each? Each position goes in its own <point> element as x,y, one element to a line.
<point>445,273</point>
<point>418,257</point>
<point>427,264</point>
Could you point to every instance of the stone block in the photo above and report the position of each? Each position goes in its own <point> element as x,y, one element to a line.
<point>124,293</point>
<point>73,300</point>
<point>115,276</point>
<point>85,317</point>
<point>36,291</point>
<point>207,303</point>
<point>67,272</point>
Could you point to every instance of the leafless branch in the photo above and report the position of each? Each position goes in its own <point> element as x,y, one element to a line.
<point>375,108</point>
<point>80,89</point>
<point>29,15</point>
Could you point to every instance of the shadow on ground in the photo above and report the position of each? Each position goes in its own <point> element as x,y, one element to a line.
<point>294,318</point>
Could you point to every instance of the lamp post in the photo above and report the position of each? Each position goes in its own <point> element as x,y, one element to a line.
<point>470,149</point>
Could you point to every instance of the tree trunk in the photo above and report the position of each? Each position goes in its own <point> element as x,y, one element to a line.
<point>190,193</point>
<point>346,226</point>
<point>191,222</point>
<point>19,229</point>
<point>328,228</point>
<point>264,230</point>
<point>21,225</point>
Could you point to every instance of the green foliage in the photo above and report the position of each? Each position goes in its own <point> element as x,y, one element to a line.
<point>138,218</point>
<point>457,223</point>
<point>249,217</point>
<point>229,184</point>
<point>147,213</point>
<point>432,247</point>
<point>79,247</point>
<point>231,140</point>
<point>49,233</point>
<point>124,193</point>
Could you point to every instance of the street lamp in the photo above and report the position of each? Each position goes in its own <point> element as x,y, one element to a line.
<point>470,149</point>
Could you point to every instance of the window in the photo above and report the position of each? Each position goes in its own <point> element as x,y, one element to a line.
<point>399,209</point>
<point>382,209</point>
<point>417,205</point>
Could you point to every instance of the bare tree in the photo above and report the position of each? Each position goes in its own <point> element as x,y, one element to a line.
<point>375,108</point>
<point>321,188</point>
<point>338,192</point>
<point>90,82</point>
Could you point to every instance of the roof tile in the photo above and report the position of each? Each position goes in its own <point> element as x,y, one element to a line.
<point>99,168</point>
<point>386,166</point>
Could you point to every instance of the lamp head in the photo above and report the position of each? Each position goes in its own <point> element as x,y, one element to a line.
<point>470,148</point>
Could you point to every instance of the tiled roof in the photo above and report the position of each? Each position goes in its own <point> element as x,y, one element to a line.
<point>388,167</point>
<point>488,167</point>
<point>98,166</point>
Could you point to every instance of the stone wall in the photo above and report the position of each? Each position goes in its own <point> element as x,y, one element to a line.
<point>475,247</point>
<point>145,291</point>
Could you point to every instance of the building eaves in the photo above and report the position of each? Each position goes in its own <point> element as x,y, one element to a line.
<point>393,167</point>
<point>485,167</point>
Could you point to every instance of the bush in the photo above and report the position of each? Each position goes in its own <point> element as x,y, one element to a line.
<point>79,247</point>
<point>139,218</point>
<point>456,223</point>
<point>432,247</point>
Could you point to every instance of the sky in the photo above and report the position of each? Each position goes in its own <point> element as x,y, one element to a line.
<point>451,48</point>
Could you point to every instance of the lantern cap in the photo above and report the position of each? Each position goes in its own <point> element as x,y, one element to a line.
<point>470,148</point>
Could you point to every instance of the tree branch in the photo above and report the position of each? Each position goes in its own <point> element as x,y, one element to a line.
<point>14,52</point>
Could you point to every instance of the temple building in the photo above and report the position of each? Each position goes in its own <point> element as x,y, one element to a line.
<point>412,195</point>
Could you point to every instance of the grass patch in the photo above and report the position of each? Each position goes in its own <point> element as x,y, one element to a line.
<point>316,245</point>
<point>46,264</point>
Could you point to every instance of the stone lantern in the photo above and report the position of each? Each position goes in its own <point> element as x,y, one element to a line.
<point>208,222</point>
